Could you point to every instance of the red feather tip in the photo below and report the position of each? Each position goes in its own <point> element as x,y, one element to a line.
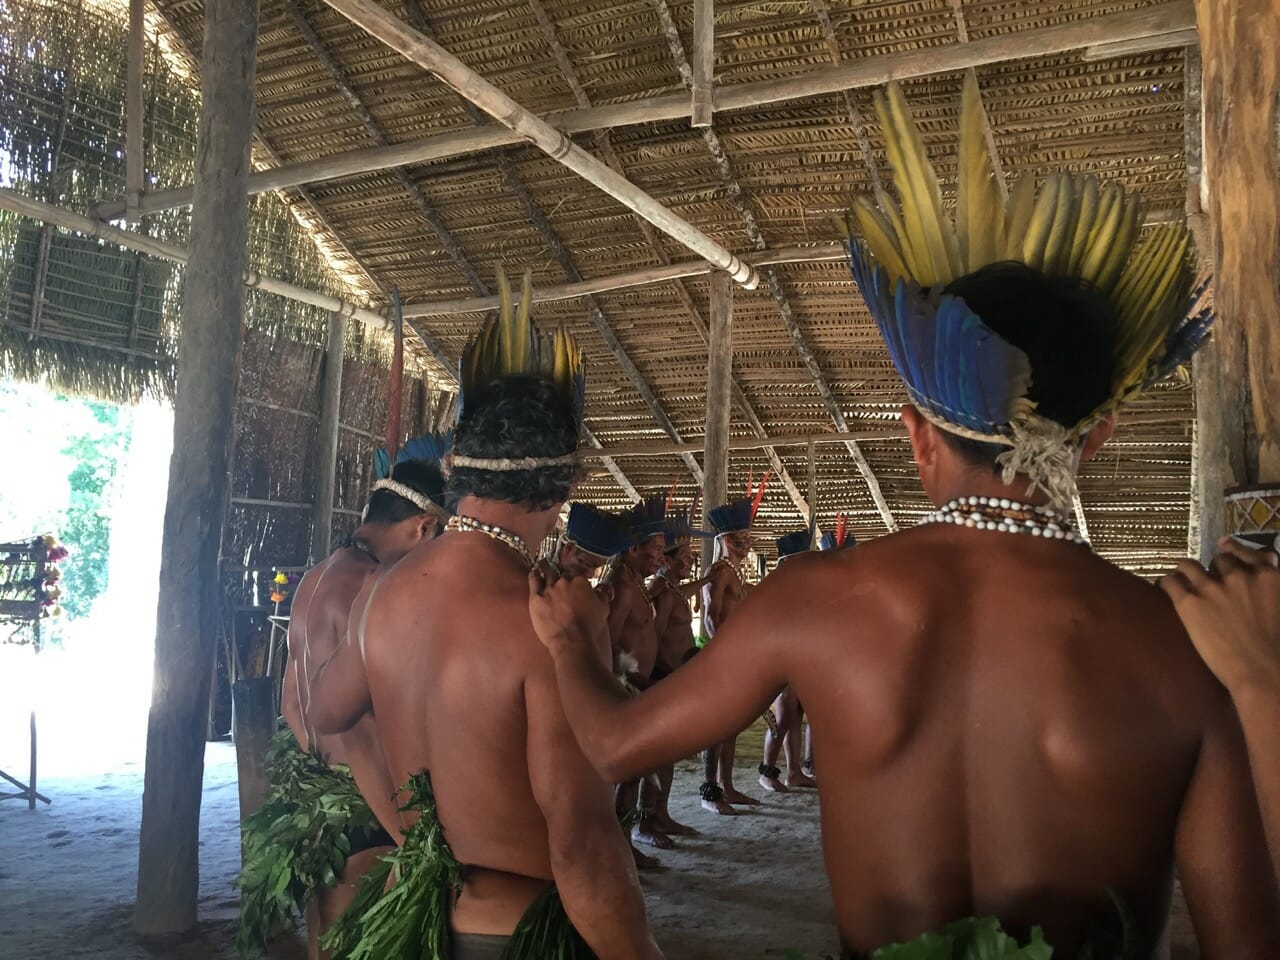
<point>759,494</point>
<point>842,529</point>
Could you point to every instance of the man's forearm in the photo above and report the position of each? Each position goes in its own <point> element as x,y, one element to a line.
<point>600,894</point>
<point>595,704</point>
<point>1259,709</point>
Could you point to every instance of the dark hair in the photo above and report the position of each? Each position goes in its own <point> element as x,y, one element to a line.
<point>515,417</point>
<point>1066,328</point>
<point>423,476</point>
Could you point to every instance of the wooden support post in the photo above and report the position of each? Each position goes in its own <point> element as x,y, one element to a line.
<point>135,112</point>
<point>704,45</point>
<point>199,472</point>
<point>715,459</point>
<point>327,438</point>
<point>1241,98</point>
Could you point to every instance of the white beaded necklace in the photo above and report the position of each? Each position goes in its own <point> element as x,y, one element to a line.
<point>465,524</point>
<point>1007,516</point>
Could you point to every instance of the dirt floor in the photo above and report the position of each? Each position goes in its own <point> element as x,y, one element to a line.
<point>749,887</point>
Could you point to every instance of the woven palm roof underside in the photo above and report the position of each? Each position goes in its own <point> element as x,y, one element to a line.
<point>796,163</point>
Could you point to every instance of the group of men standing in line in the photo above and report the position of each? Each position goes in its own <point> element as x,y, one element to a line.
<point>1015,740</point>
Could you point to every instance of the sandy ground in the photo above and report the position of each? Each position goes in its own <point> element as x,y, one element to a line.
<point>750,886</point>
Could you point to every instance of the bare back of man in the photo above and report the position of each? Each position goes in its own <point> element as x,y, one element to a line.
<point>318,620</point>
<point>723,594</point>
<point>458,692</point>
<point>1007,727</point>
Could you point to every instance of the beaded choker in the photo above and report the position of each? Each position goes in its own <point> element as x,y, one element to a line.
<point>464,524</point>
<point>1007,516</point>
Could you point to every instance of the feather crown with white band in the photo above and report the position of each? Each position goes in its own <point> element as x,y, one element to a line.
<point>962,375</point>
<point>679,529</point>
<point>429,450</point>
<point>510,345</point>
<point>738,515</point>
<point>799,541</point>
<point>646,519</point>
<point>596,531</point>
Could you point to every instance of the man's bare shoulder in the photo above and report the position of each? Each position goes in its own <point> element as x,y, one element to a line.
<point>454,587</point>
<point>328,589</point>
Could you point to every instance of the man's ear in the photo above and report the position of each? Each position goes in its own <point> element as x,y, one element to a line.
<point>1096,437</point>
<point>923,436</point>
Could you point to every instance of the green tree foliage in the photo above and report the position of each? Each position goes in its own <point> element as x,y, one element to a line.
<point>96,452</point>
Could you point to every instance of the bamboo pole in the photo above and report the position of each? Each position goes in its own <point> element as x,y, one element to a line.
<point>429,55</point>
<point>15,202</point>
<point>1156,21</point>
<point>648,276</point>
<point>135,111</point>
<point>704,45</point>
<point>199,472</point>
<point>633,278</point>
<point>327,439</point>
<point>715,461</point>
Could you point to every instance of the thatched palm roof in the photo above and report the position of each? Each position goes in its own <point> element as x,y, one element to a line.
<point>768,176</point>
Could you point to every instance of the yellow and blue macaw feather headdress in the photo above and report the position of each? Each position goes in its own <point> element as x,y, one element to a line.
<point>961,374</point>
<point>510,345</point>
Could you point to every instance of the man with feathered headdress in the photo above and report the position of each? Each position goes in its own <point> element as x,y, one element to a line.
<point>311,773</point>
<point>670,592</point>
<point>633,638</point>
<point>1010,729</point>
<point>784,719</point>
<point>465,698</point>
<point>591,538</point>
<point>725,589</point>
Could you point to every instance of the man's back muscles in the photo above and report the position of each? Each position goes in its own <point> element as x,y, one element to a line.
<point>1013,731</point>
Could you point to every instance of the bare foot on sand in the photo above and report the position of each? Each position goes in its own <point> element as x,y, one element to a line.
<point>720,807</point>
<point>802,782</point>
<point>646,832</point>
<point>644,862</point>
<point>734,796</point>
<point>669,826</point>
<point>769,779</point>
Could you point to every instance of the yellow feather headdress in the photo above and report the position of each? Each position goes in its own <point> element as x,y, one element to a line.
<point>959,372</point>
<point>510,345</point>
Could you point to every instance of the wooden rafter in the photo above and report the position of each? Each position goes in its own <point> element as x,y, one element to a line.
<point>429,55</point>
<point>605,147</point>
<point>745,213</point>
<point>1163,20</point>
<point>516,185</point>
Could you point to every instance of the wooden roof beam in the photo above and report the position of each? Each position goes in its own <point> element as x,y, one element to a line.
<point>448,364</point>
<point>748,218</point>
<point>570,75</point>
<point>419,199</point>
<point>704,60</point>
<point>402,38</point>
<point>516,185</point>
<point>1163,20</point>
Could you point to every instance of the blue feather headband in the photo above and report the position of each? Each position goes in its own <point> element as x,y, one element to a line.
<point>596,531</point>
<point>799,541</point>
